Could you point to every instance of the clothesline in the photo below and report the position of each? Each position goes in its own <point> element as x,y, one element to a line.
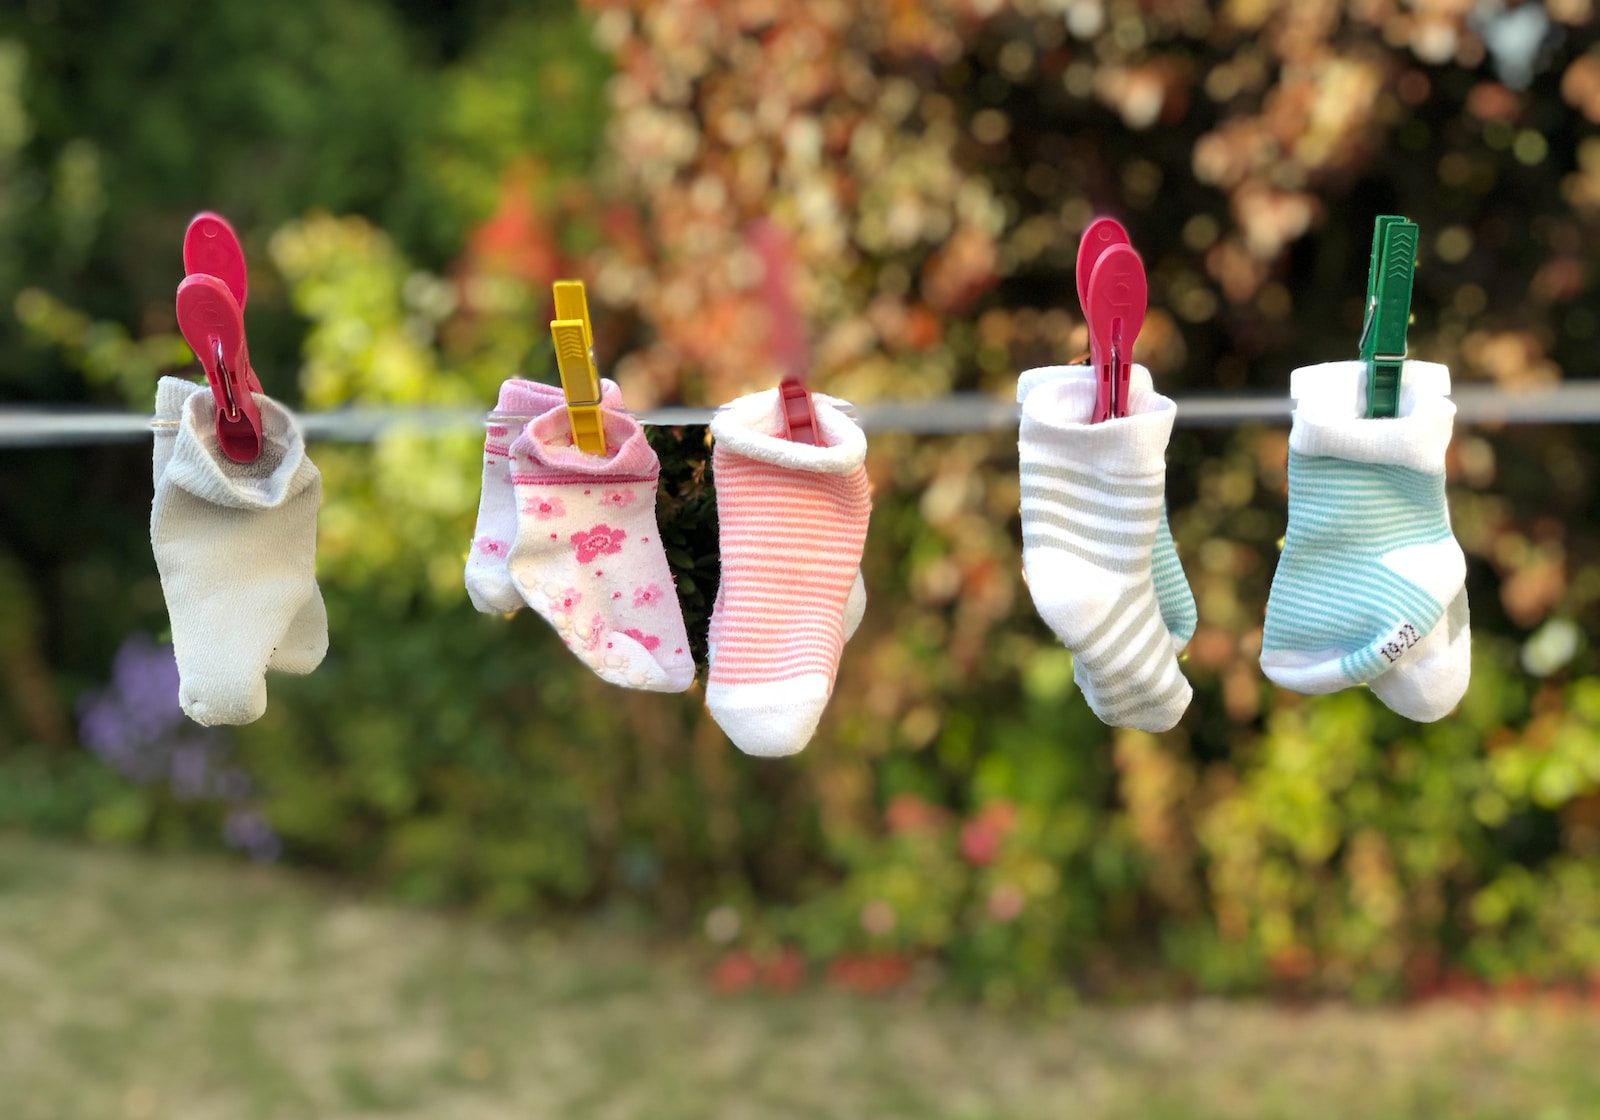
<point>1572,402</point>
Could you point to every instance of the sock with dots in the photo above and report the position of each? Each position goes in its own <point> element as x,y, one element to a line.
<point>488,578</point>
<point>587,554</point>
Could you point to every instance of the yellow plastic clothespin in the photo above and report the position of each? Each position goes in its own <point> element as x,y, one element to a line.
<point>580,381</point>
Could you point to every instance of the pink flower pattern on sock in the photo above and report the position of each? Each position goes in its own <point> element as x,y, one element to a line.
<point>588,556</point>
<point>602,540</point>
<point>488,546</point>
<point>648,641</point>
<point>544,507</point>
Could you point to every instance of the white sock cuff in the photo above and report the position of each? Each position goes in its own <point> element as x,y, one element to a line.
<point>1055,417</point>
<point>171,393</point>
<point>1329,416</point>
<point>748,426</point>
<point>1030,379</point>
<point>280,473</point>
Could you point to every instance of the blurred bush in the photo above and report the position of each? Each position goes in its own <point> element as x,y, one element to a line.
<point>408,183</point>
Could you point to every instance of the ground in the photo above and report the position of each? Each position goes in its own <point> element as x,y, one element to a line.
<point>136,986</point>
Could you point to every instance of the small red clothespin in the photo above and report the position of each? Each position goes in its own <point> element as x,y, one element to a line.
<point>1115,295</point>
<point>210,309</point>
<point>787,335</point>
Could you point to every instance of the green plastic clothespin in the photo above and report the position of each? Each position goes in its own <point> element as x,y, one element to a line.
<point>1383,334</point>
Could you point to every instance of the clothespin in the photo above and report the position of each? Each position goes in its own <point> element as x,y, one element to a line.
<point>1390,276</point>
<point>210,310</point>
<point>797,416</point>
<point>1115,295</point>
<point>580,380</point>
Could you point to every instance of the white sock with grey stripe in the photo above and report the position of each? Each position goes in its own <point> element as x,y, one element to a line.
<point>1092,508</point>
<point>1172,588</point>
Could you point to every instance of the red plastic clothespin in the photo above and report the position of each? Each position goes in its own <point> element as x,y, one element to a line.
<point>210,309</point>
<point>1115,295</point>
<point>787,335</point>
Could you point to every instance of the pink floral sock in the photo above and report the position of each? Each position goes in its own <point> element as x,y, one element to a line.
<point>588,555</point>
<point>793,524</point>
<point>488,581</point>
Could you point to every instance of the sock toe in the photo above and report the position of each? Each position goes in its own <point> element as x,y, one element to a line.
<point>769,721</point>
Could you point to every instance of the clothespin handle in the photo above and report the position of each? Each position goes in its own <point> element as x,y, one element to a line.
<point>1118,296</point>
<point>1101,235</point>
<point>573,335</point>
<point>211,248</point>
<point>1391,275</point>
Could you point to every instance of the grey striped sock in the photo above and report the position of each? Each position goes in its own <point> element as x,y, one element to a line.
<point>1092,510</point>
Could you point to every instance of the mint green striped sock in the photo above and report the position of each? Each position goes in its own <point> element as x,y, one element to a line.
<point>1369,562</point>
<point>1172,588</point>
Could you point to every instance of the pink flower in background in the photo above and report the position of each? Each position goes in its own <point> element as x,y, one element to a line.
<point>1005,903</point>
<point>647,596</point>
<point>544,507</point>
<point>566,601</point>
<point>602,540</point>
<point>982,836</point>
<point>878,918</point>
<point>648,641</point>
<point>617,498</point>
<point>490,547</point>
<point>909,813</point>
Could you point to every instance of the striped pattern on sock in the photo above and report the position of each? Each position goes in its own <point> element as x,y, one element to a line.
<point>791,544</point>
<point>1172,588</point>
<point>1087,545</point>
<point>1333,593</point>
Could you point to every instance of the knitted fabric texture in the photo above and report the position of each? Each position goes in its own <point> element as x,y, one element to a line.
<point>793,523</point>
<point>588,557</point>
<point>1371,584</point>
<point>235,545</point>
<point>488,578</point>
<point>1172,587</point>
<point>1092,511</point>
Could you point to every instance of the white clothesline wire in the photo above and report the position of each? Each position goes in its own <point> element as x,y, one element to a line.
<point>1571,402</point>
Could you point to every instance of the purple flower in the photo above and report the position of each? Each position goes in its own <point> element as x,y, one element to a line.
<point>136,726</point>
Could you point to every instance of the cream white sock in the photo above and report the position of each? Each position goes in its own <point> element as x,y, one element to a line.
<point>235,544</point>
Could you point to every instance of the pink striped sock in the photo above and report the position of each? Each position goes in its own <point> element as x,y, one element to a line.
<point>793,524</point>
<point>488,581</point>
<point>588,555</point>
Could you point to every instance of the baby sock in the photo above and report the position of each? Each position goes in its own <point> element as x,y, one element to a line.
<point>488,579</point>
<point>235,545</point>
<point>1092,503</point>
<point>587,554</point>
<point>1172,588</point>
<point>1371,584</point>
<point>793,522</point>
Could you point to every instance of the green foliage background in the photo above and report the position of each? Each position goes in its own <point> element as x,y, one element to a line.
<point>407,179</point>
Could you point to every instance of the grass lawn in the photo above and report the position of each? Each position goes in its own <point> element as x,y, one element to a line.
<point>138,987</point>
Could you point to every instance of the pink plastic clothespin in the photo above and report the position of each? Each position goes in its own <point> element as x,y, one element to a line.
<point>1115,295</point>
<point>210,309</point>
<point>788,341</point>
